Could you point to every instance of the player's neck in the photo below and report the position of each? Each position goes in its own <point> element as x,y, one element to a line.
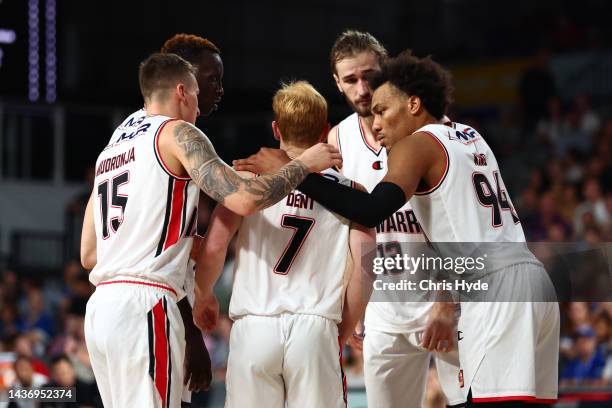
<point>292,151</point>
<point>427,119</point>
<point>366,123</point>
<point>156,108</point>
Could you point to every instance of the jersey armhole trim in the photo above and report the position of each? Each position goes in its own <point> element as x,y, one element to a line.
<point>365,140</point>
<point>434,188</point>
<point>160,160</point>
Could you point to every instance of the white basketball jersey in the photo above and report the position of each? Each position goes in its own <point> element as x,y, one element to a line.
<point>367,165</point>
<point>291,257</point>
<point>470,203</point>
<point>143,213</point>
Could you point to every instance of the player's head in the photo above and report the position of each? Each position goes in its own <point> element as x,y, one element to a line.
<point>408,91</point>
<point>169,80</point>
<point>206,57</point>
<point>354,57</point>
<point>300,115</point>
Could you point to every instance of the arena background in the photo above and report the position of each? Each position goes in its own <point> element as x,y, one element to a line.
<point>535,77</point>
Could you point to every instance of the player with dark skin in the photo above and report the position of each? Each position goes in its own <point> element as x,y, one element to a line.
<point>205,56</point>
<point>396,116</point>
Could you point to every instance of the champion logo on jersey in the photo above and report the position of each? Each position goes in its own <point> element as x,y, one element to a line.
<point>480,159</point>
<point>377,165</point>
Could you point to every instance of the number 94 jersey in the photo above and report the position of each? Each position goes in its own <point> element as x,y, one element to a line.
<point>143,214</point>
<point>291,257</point>
<point>470,203</point>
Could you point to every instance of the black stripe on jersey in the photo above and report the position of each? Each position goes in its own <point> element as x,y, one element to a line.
<point>160,161</point>
<point>338,138</point>
<point>162,239</point>
<point>365,141</point>
<point>151,346</point>
<point>192,221</point>
<point>434,188</point>
<point>184,211</point>
<point>168,387</point>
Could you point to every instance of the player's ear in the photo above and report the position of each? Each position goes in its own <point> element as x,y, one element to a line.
<point>276,131</point>
<point>180,91</point>
<point>337,79</point>
<point>414,104</point>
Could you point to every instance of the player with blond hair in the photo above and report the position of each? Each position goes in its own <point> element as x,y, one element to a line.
<point>297,284</point>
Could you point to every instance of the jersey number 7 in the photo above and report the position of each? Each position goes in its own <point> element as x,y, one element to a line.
<point>302,227</point>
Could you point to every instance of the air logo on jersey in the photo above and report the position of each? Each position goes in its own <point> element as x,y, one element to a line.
<point>126,136</point>
<point>377,165</point>
<point>465,136</point>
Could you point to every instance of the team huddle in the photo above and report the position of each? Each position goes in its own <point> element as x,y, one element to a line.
<point>303,215</point>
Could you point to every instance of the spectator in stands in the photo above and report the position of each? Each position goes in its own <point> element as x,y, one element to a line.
<point>567,203</point>
<point>8,320</point>
<point>30,345</point>
<point>550,126</point>
<point>35,316</point>
<point>26,377</point>
<point>573,137</point>
<point>589,120</point>
<point>587,367</point>
<point>594,205</point>
<point>63,375</point>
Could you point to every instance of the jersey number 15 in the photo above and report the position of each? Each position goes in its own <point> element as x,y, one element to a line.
<point>116,201</point>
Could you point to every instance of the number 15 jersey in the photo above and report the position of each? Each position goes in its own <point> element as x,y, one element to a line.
<point>142,212</point>
<point>291,257</point>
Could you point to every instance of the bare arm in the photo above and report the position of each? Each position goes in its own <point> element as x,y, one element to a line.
<point>88,237</point>
<point>223,226</point>
<point>362,246</point>
<point>192,150</point>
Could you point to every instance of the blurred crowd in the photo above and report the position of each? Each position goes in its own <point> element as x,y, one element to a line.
<point>555,156</point>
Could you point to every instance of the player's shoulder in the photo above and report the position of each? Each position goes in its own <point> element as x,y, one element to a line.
<point>351,119</point>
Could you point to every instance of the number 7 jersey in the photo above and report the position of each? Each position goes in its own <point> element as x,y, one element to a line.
<point>143,213</point>
<point>291,257</point>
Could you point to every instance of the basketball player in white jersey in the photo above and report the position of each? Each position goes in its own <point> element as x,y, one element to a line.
<point>206,57</point>
<point>137,221</point>
<point>294,299</point>
<point>393,346</point>
<point>508,350</point>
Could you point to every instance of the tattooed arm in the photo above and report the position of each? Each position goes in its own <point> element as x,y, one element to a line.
<point>185,149</point>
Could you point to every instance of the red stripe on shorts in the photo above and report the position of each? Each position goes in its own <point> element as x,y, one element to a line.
<point>525,398</point>
<point>161,351</point>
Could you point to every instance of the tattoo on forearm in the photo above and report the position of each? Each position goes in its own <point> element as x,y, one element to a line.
<point>218,180</point>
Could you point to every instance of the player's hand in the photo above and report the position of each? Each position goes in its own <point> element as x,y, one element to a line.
<point>206,312</point>
<point>355,338</point>
<point>265,161</point>
<point>440,332</point>
<point>320,157</point>
<point>197,366</point>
